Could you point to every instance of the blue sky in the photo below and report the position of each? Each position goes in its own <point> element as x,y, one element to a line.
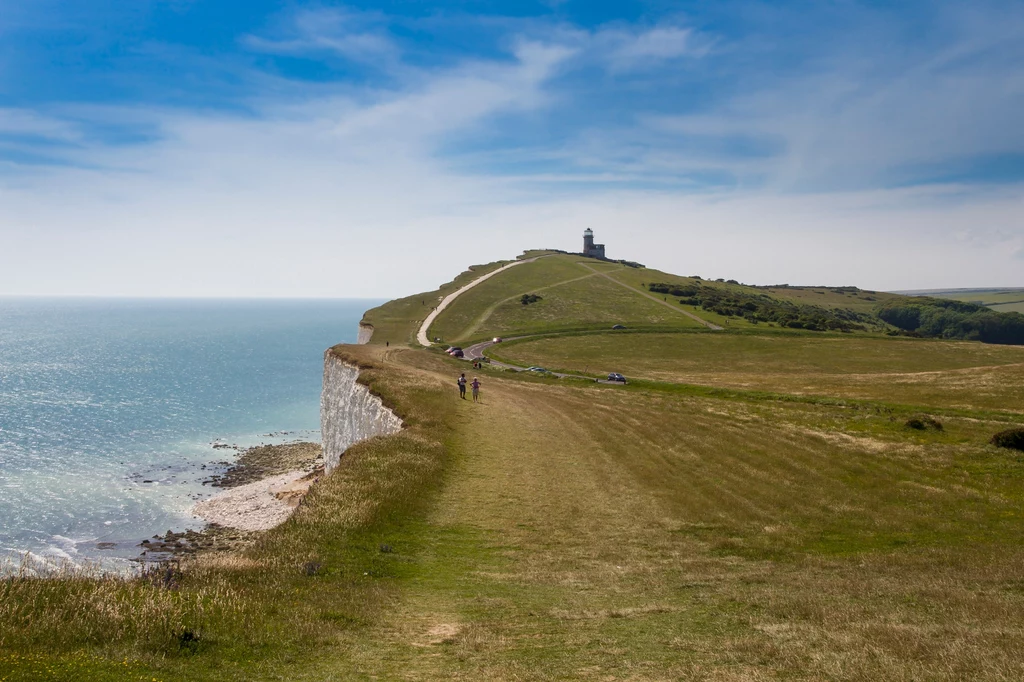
<point>191,147</point>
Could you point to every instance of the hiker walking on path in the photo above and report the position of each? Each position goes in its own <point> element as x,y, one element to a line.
<point>462,386</point>
<point>476,389</point>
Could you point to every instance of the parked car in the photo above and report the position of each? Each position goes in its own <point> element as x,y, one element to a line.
<point>497,339</point>
<point>457,353</point>
<point>539,370</point>
<point>453,350</point>
<point>615,376</point>
<point>618,326</point>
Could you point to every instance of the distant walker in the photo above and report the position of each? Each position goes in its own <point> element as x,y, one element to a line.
<point>589,247</point>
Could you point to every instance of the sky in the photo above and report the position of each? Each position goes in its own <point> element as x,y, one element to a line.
<point>375,149</point>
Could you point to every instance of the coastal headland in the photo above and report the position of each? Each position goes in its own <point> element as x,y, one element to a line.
<point>809,492</point>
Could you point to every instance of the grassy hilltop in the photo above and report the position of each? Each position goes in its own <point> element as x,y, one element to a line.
<point>579,294</point>
<point>762,501</point>
<point>571,293</point>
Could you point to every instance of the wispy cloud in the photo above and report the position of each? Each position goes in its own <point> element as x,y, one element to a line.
<point>838,113</point>
<point>22,122</point>
<point>357,36</point>
<point>390,169</point>
<point>627,50</point>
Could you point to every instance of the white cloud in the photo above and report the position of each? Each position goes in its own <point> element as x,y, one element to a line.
<point>627,50</point>
<point>347,194</point>
<point>864,115</point>
<point>360,37</point>
<point>332,196</point>
<point>25,122</point>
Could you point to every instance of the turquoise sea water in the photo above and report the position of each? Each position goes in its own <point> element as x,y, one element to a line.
<point>109,409</point>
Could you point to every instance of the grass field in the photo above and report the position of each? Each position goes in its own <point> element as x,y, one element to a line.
<point>1000,300</point>
<point>574,296</point>
<point>608,534</point>
<point>586,294</point>
<point>575,530</point>
<point>1017,307</point>
<point>755,507</point>
<point>861,301</point>
<point>910,371</point>
<point>397,321</point>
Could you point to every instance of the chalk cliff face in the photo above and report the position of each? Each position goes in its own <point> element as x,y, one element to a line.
<point>349,413</point>
<point>365,333</point>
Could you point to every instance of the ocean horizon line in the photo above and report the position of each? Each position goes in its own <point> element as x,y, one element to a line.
<point>128,297</point>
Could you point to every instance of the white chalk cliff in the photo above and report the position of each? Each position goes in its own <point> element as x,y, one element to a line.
<point>364,334</point>
<point>349,413</point>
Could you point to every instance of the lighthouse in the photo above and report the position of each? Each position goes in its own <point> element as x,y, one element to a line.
<point>589,247</point>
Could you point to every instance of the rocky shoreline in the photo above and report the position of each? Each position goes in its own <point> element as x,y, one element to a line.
<point>259,491</point>
<point>264,461</point>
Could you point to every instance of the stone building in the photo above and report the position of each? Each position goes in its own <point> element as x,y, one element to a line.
<point>589,247</point>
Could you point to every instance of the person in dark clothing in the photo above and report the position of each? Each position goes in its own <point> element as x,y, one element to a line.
<point>462,386</point>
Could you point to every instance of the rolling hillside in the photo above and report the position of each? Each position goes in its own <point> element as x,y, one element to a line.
<point>557,293</point>
<point>762,501</point>
<point>577,293</point>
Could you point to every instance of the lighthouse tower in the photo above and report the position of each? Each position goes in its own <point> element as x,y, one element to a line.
<point>589,247</point>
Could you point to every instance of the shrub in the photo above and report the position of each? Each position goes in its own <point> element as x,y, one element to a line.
<point>673,289</point>
<point>946,319</point>
<point>923,422</point>
<point>527,299</point>
<point>1010,438</point>
<point>763,308</point>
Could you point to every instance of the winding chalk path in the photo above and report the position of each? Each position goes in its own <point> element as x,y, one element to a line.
<point>421,335</point>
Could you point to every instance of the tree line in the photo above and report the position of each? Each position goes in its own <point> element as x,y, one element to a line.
<point>947,319</point>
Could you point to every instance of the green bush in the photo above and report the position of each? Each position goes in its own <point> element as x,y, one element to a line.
<point>946,319</point>
<point>923,422</point>
<point>1010,438</point>
<point>673,289</point>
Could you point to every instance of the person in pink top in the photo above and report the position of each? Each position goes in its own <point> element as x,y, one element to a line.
<point>476,390</point>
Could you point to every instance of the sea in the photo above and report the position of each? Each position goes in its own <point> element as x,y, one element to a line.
<point>110,410</point>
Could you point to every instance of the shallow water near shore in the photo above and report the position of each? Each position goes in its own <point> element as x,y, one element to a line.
<point>109,409</point>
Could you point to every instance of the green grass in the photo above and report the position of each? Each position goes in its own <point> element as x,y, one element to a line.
<point>574,296</point>
<point>590,532</point>
<point>983,296</point>
<point>468,316</point>
<point>1000,300</point>
<point>586,294</point>
<point>754,507</point>
<point>257,615</point>
<point>397,321</point>
<point>581,531</point>
<point>858,300</point>
<point>911,371</point>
